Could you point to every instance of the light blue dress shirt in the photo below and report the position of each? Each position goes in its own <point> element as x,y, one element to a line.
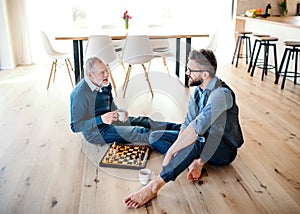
<point>205,106</point>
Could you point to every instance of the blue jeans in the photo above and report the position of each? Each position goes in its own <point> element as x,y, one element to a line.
<point>220,154</point>
<point>163,140</point>
<point>135,129</point>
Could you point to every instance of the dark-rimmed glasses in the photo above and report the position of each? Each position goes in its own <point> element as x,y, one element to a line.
<point>190,70</point>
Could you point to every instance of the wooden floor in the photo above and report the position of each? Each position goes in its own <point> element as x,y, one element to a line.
<point>45,168</point>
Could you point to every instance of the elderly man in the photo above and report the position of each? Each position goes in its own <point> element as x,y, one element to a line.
<point>211,131</point>
<point>95,114</point>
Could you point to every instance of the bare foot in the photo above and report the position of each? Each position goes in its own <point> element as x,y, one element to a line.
<point>145,194</point>
<point>195,170</point>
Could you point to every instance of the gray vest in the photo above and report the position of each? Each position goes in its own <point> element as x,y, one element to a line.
<point>232,134</point>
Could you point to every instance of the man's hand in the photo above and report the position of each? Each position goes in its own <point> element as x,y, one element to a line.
<point>185,138</point>
<point>109,117</point>
<point>195,170</point>
<point>126,117</point>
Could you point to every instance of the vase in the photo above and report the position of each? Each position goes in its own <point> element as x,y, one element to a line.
<point>126,27</point>
<point>126,24</point>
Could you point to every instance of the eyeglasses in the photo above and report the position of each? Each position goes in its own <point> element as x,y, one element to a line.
<point>195,70</point>
<point>101,73</point>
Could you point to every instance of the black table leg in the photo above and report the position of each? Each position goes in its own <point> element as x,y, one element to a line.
<point>78,60</point>
<point>81,59</point>
<point>177,56</point>
<point>188,49</point>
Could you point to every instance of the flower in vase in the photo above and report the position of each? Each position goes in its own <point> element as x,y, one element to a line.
<point>126,18</point>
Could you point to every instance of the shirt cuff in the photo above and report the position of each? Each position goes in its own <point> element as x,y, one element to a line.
<point>182,127</point>
<point>99,120</point>
<point>193,125</point>
<point>200,138</point>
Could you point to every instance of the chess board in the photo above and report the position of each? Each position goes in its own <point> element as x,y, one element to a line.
<point>126,156</point>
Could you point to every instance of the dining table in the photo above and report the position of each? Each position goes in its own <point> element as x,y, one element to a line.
<point>78,52</point>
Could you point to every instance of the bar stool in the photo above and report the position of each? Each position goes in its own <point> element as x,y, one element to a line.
<point>267,42</point>
<point>241,37</point>
<point>257,40</point>
<point>293,47</point>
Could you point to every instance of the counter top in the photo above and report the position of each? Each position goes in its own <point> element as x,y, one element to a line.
<point>289,21</point>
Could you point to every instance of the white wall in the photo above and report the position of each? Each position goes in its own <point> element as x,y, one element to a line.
<point>6,56</point>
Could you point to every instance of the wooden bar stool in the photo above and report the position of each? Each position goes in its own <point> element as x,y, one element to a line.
<point>267,42</point>
<point>241,37</point>
<point>257,40</point>
<point>293,48</point>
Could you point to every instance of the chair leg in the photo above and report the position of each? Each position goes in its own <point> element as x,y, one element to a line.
<point>236,46</point>
<point>112,79</point>
<point>286,70</point>
<point>251,56</point>
<point>126,80</point>
<point>126,77</point>
<point>52,67</point>
<point>70,64</point>
<point>55,68</point>
<point>147,79</point>
<point>123,66</point>
<point>238,53</point>
<point>296,64</point>
<point>149,65</point>
<point>293,53</point>
<point>266,59</point>
<point>66,62</point>
<point>247,44</point>
<point>255,61</point>
<point>121,62</point>
<point>275,60</point>
<point>281,66</point>
<point>165,64</point>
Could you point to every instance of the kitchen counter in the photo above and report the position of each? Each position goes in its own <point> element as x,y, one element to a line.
<point>288,21</point>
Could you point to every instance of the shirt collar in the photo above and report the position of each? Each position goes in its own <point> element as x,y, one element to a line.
<point>210,86</point>
<point>92,86</point>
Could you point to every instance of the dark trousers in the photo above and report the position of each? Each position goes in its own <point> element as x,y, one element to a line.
<point>220,154</point>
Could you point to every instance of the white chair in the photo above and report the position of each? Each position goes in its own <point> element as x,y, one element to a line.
<point>55,55</point>
<point>102,47</point>
<point>137,50</point>
<point>160,47</point>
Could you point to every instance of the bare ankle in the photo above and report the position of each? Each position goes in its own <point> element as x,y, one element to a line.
<point>158,183</point>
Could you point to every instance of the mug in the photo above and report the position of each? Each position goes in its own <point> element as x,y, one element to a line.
<point>145,176</point>
<point>122,114</point>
